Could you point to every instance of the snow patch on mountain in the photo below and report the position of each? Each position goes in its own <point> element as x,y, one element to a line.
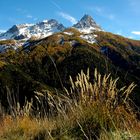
<point>90,38</point>
<point>68,33</point>
<point>4,47</point>
<point>87,30</point>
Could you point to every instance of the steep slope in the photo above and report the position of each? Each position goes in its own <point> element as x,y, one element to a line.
<point>50,61</point>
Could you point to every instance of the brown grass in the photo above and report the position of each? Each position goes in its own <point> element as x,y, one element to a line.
<point>98,110</point>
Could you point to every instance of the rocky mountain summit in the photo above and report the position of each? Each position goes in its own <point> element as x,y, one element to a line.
<point>87,25</point>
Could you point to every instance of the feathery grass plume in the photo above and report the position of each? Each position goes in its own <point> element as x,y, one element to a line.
<point>89,110</point>
<point>104,96</point>
<point>103,89</point>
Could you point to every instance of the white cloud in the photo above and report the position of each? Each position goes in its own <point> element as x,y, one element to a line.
<point>68,17</point>
<point>2,31</point>
<point>29,16</point>
<point>136,32</point>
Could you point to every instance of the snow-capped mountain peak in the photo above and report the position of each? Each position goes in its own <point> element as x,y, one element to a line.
<point>26,31</point>
<point>87,25</point>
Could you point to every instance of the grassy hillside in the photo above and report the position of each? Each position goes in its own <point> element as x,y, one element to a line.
<point>48,63</point>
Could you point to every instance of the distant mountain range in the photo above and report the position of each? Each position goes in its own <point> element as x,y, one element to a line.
<point>47,28</point>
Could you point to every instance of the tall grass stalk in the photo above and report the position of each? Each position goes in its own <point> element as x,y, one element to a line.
<point>89,110</point>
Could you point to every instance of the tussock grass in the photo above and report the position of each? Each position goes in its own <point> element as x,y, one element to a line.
<point>88,111</point>
<point>2,64</point>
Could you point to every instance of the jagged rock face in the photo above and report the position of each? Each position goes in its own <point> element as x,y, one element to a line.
<point>39,30</point>
<point>87,24</point>
<point>13,29</point>
<point>52,23</point>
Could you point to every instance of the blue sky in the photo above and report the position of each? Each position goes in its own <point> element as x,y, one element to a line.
<point>117,16</point>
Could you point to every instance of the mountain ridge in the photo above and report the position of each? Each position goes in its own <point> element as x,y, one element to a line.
<point>46,28</point>
<point>26,31</point>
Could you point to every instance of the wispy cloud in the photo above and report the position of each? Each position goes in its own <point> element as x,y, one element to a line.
<point>64,15</point>
<point>101,11</point>
<point>29,16</point>
<point>2,31</point>
<point>136,32</point>
<point>56,5</point>
<point>68,17</point>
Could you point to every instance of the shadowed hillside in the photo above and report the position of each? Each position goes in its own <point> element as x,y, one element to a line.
<point>49,62</point>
